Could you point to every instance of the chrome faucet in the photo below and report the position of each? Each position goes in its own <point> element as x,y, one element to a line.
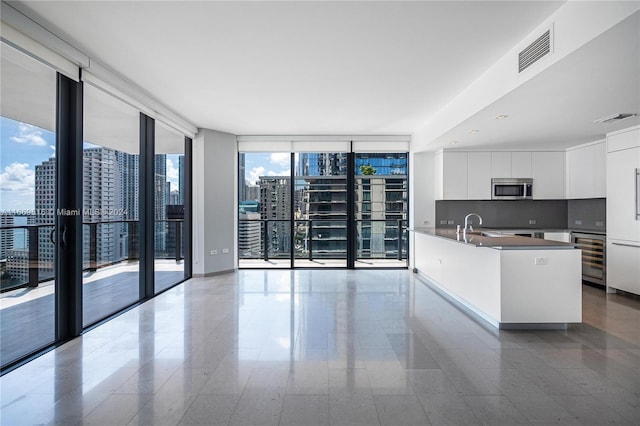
<point>467,225</point>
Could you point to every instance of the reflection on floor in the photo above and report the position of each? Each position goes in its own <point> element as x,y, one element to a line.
<point>27,315</point>
<point>322,347</point>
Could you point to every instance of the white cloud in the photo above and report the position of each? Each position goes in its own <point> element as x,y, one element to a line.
<point>280,173</point>
<point>18,177</point>
<point>282,159</point>
<point>29,134</point>
<point>172,174</point>
<point>254,174</point>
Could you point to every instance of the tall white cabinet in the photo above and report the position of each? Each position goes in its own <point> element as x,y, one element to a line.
<point>623,210</point>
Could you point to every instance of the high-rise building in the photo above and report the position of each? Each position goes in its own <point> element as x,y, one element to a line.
<point>275,206</point>
<point>381,197</point>
<point>160,202</point>
<point>181,170</point>
<point>252,192</point>
<point>6,235</point>
<point>45,203</point>
<point>249,229</point>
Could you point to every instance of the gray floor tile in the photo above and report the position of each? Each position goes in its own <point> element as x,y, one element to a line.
<point>305,410</point>
<point>348,351</point>
<point>398,410</point>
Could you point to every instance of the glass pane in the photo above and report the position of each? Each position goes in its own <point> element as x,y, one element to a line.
<point>169,208</point>
<point>320,209</point>
<point>111,190</point>
<point>27,205</point>
<point>381,209</point>
<point>264,210</point>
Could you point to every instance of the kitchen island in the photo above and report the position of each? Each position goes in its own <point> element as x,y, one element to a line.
<point>509,281</point>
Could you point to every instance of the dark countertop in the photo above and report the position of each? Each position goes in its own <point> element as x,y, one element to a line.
<point>499,242</point>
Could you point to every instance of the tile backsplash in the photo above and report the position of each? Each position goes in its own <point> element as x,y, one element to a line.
<point>588,215</point>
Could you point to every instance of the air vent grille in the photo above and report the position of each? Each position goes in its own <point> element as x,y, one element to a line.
<point>534,51</point>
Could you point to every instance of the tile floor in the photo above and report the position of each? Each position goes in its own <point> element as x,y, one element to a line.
<point>330,347</point>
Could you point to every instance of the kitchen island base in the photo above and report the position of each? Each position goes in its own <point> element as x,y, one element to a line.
<point>537,287</point>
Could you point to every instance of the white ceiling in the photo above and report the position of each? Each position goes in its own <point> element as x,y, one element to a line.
<point>296,67</point>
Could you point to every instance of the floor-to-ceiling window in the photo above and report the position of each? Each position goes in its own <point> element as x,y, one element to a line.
<point>322,209</point>
<point>381,187</point>
<point>264,209</point>
<point>169,207</point>
<point>110,199</point>
<point>27,204</point>
<point>71,193</point>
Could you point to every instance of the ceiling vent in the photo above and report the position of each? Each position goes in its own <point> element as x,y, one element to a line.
<point>535,51</point>
<point>615,117</point>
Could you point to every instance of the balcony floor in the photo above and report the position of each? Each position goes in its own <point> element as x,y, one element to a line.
<point>27,314</point>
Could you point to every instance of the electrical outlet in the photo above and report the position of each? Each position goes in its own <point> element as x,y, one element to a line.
<point>213,252</point>
<point>541,261</point>
<point>578,222</point>
<point>449,222</point>
<point>225,250</point>
<point>599,223</point>
<point>532,221</point>
<point>425,222</point>
<point>443,222</point>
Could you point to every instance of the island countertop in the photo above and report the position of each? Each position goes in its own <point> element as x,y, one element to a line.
<point>505,242</point>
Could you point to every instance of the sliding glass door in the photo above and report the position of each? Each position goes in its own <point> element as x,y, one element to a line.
<point>27,205</point>
<point>110,199</point>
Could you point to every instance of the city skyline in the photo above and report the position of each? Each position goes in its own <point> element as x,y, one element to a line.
<point>23,147</point>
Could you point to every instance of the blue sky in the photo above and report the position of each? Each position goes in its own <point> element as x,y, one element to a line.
<point>22,147</point>
<point>266,164</point>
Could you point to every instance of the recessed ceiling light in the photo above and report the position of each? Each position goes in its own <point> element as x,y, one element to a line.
<point>501,116</point>
<point>615,117</point>
<point>453,142</point>
<point>474,131</point>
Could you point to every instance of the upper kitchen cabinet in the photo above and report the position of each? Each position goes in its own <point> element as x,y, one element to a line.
<point>501,164</point>
<point>521,164</point>
<point>547,171</point>
<point>586,171</point>
<point>451,175</point>
<point>479,176</point>
<point>515,164</point>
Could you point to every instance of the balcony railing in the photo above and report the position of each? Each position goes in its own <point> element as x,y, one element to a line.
<point>320,238</point>
<point>105,243</point>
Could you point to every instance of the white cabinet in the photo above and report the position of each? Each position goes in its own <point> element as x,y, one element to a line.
<point>500,164</point>
<point>479,176</point>
<point>564,237</point>
<point>463,175</point>
<point>623,265</point>
<point>452,181</point>
<point>521,164</point>
<point>547,171</point>
<point>586,171</point>
<point>623,224</point>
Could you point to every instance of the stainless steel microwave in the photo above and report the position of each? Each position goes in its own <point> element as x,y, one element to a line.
<point>511,189</point>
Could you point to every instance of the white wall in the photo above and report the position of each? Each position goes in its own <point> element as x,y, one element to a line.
<point>422,204</point>
<point>214,199</point>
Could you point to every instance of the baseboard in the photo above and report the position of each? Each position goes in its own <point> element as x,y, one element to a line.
<point>213,274</point>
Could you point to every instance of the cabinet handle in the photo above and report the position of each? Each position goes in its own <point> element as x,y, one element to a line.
<point>625,245</point>
<point>637,197</point>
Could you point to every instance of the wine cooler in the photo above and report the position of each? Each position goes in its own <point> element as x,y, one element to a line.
<point>593,256</point>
